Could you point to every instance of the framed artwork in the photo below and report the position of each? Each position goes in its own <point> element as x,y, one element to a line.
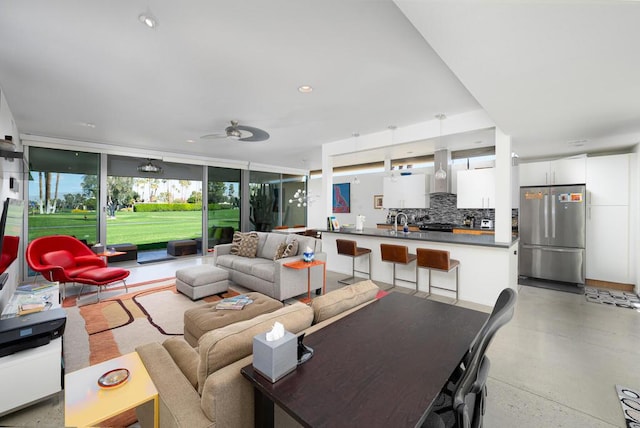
<point>377,202</point>
<point>342,198</point>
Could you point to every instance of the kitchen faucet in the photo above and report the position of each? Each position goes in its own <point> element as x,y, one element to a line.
<point>406,221</point>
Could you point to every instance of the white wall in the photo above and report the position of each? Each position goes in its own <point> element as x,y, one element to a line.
<point>361,199</point>
<point>10,168</point>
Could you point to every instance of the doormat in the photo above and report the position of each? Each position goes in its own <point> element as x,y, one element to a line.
<point>622,299</point>
<point>159,259</point>
<point>630,402</point>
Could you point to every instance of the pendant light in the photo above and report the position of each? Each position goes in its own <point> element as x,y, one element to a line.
<point>440,174</point>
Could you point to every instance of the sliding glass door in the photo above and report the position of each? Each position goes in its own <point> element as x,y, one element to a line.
<point>151,205</point>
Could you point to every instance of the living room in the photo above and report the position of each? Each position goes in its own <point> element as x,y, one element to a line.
<point>561,109</point>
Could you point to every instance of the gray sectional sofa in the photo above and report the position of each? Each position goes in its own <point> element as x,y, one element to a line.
<point>268,276</point>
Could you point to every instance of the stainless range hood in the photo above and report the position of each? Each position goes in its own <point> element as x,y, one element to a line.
<point>442,159</point>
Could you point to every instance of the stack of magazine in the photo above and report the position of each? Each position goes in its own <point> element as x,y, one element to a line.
<point>234,303</point>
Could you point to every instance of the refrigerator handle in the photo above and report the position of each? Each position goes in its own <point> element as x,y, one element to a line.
<point>546,178</point>
<point>546,216</point>
<point>553,216</point>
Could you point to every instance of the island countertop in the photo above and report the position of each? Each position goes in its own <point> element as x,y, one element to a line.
<point>444,237</point>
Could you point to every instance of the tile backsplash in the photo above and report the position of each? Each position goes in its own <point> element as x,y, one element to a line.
<point>443,209</point>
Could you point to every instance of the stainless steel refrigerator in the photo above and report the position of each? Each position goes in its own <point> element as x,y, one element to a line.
<point>552,233</point>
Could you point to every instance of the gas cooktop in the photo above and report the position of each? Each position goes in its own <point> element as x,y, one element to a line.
<point>440,227</point>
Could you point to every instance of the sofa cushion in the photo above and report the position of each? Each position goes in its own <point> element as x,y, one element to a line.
<point>280,251</point>
<point>246,265</point>
<point>221,347</point>
<point>225,260</point>
<point>245,244</point>
<point>337,301</point>
<point>291,249</point>
<point>185,357</point>
<point>270,247</point>
<point>304,242</point>
<point>266,271</point>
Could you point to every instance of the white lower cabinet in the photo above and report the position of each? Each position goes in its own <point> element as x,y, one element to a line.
<point>607,251</point>
<point>30,375</point>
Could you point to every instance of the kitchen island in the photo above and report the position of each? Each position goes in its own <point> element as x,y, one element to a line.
<point>486,266</point>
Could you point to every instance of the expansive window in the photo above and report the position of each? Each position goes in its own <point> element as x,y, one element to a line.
<point>151,208</point>
<point>63,193</point>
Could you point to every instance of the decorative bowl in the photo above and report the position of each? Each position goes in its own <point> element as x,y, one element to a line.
<point>308,257</point>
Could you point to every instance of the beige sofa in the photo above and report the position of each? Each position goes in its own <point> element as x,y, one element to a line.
<point>268,276</point>
<point>203,386</point>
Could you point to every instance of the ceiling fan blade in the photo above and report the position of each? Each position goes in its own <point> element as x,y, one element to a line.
<point>257,133</point>
<point>213,136</point>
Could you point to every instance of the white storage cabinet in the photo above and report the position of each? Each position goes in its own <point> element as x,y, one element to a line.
<point>608,254</point>
<point>477,188</point>
<point>557,172</point>
<point>405,191</point>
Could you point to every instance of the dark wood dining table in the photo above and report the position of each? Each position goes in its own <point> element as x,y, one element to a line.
<point>381,366</point>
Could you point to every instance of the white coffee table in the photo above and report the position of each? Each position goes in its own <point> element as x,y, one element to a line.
<point>87,404</point>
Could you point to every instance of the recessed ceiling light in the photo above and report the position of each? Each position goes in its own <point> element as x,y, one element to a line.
<point>148,19</point>
<point>89,125</point>
<point>305,89</point>
<point>190,141</point>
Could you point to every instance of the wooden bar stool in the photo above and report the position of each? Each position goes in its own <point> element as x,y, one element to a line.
<point>397,254</point>
<point>350,248</point>
<point>437,260</point>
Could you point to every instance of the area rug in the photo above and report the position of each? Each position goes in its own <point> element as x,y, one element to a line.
<point>630,402</point>
<point>151,312</point>
<point>621,299</point>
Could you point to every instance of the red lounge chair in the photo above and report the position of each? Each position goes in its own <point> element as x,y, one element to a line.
<point>66,259</point>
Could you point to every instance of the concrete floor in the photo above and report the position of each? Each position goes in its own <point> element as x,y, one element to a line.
<point>555,364</point>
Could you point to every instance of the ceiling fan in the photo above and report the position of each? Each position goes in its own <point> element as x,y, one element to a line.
<point>240,133</point>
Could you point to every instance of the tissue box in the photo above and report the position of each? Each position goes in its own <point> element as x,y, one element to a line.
<point>277,358</point>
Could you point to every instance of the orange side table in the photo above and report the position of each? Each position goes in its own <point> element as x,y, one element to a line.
<point>301,264</point>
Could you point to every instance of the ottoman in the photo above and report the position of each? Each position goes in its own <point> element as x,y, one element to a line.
<point>182,248</point>
<point>131,251</point>
<point>204,318</point>
<point>202,281</point>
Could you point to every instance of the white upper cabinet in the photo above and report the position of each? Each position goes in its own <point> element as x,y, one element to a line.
<point>405,191</point>
<point>477,188</point>
<point>561,171</point>
<point>608,180</point>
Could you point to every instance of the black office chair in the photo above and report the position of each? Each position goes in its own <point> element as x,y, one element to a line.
<point>468,405</point>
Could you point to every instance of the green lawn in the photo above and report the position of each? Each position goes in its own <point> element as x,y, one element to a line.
<point>134,227</point>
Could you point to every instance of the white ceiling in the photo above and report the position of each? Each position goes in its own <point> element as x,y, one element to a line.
<point>547,73</point>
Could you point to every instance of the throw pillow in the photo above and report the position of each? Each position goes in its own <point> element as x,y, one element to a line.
<point>245,244</point>
<point>291,249</point>
<point>280,251</point>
